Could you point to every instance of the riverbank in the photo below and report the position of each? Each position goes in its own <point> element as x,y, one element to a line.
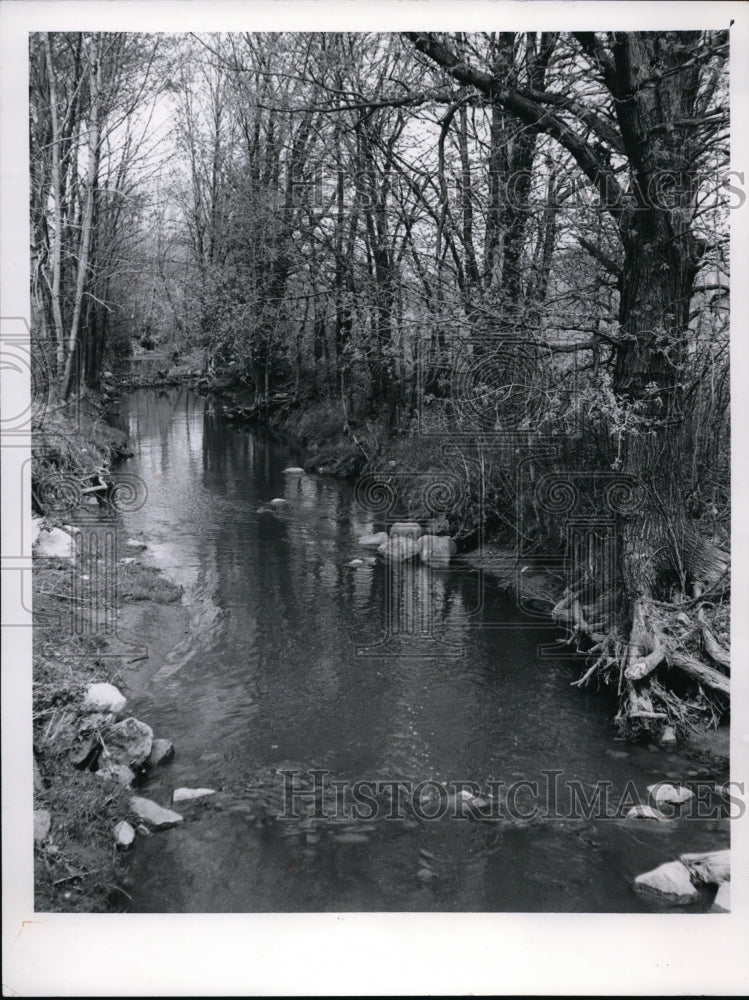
<point>691,689</point>
<point>277,644</point>
<point>82,797</point>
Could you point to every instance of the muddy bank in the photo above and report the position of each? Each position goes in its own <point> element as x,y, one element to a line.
<point>100,612</point>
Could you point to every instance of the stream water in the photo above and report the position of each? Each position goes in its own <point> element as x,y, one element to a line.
<point>268,679</point>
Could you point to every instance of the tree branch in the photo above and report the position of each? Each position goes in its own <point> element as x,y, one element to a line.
<point>530,112</point>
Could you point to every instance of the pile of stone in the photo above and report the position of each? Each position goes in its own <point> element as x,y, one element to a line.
<point>119,750</point>
<point>407,540</point>
<point>682,882</point>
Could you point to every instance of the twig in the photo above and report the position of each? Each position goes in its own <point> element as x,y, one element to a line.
<point>69,878</point>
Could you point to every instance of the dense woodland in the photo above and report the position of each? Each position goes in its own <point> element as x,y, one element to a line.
<point>501,253</point>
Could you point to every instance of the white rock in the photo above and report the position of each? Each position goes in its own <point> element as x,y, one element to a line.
<point>399,548</point>
<point>124,834</point>
<point>710,868</point>
<point>42,824</point>
<point>722,901</point>
<point>669,882</point>
<point>665,793</point>
<point>103,697</point>
<point>668,736</point>
<point>55,544</point>
<point>374,541</point>
<point>153,814</point>
<point>644,812</point>
<point>405,529</point>
<point>134,543</point>
<point>293,470</point>
<point>436,548</point>
<point>188,794</point>
<point>355,562</point>
<point>277,501</point>
<point>128,560</point>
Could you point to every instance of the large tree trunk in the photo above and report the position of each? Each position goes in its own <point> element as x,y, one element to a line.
<point>659,545</point>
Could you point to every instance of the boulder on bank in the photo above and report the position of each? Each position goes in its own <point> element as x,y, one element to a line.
<point>102,697</point>
<point>42,825</point>
<point>406,529</point>
<point>374,541</point>
<point>278,501</point>
<point>710,868</point>
<point>128,742</point>
<point>162,751</point>
<point>55,544</point>
<point>154,815</point>
<point>134,543</point>
<point>669,882</point>
<point>399,549</point>
<point>355,563</point>
<point>124,834</point>
<point>293,470</point>
<point>664,793</point>
<point>436,548</point>
<point>190,794</point>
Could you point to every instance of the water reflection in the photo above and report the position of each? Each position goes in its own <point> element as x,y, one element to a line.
<point>269,675</point>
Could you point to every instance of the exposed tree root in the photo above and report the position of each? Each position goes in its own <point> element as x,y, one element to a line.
<point>662,637</point>
<point>700,672</point>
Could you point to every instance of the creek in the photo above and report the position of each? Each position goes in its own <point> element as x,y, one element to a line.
<point>287,666</point>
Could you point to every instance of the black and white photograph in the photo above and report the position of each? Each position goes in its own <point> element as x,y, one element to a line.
<point>371,469</point>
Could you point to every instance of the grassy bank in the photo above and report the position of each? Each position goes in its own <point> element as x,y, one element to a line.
<point>77,868</point>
